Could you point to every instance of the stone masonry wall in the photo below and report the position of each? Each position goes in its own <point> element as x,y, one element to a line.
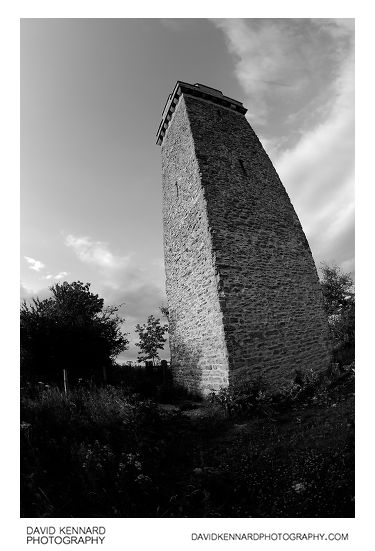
<point>198,351</point>
<point>242,286</point>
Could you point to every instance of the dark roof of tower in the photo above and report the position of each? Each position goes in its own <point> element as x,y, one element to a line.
<point>198,90</point>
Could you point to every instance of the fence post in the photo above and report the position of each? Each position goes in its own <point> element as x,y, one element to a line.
<point>164,368</point>
<point>65,374</point>
<point>104,374</point>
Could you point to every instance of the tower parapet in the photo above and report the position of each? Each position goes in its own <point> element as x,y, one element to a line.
<point>197,90</point>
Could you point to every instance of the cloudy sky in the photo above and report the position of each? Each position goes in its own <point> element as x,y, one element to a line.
<point>92,93</point>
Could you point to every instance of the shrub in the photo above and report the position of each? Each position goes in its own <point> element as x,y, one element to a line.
<point>242,398</point>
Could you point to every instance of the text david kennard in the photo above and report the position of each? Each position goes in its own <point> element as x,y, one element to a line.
<point>65,534</point>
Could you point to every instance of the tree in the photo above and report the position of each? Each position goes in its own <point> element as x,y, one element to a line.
<point>70,330</point>
<point>151,339</point>
<point>338,289</point>
<point>165,311</point>
<point>339,303</point>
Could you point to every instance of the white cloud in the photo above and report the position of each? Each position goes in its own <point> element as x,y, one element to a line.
<point>95,252</point>
<point>115,271</point>
<point>282,63</point>
<point>34,264</point>
<point>298,77</point>
<point>61,275</point>
<point>319,174</point>
<point>262,61</point>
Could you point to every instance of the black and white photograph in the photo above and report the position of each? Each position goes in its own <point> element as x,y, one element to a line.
<point>187,306</point>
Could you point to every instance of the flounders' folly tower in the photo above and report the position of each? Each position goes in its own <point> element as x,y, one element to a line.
<point>243,292</point>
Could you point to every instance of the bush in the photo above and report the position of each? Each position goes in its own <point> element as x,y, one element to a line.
<point>339,303</point>
<point>242,398</point>
<point>254,398</point>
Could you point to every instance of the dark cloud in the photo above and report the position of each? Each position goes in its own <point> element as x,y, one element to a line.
<point>137,302</point>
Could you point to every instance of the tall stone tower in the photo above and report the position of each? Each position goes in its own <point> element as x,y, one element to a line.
<point>243,292</point>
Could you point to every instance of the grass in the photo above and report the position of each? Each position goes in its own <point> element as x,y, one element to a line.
<point>107,452</point>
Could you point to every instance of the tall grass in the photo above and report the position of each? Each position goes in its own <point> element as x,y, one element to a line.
<point>82,453</point>
<point>107,452</point>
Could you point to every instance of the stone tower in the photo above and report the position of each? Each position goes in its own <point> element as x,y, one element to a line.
<point>243,292</point>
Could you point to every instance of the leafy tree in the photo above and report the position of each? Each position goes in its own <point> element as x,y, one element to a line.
<point>70,330</point>
<point>165,311</point>
<point>339,302</point>
<point>151,339</point>
<point>338,289</point>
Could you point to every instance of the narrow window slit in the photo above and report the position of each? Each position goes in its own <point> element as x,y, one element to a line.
<point>242,167</point>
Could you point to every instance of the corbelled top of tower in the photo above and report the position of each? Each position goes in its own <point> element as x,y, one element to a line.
<point>197,90</point>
